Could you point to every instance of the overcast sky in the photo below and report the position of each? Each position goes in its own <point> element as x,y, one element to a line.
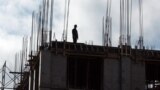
<point>15,22</point>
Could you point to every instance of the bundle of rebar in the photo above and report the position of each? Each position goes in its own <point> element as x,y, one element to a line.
<point>107,26</point>
<point>140,42</point>
<point>125,22</point>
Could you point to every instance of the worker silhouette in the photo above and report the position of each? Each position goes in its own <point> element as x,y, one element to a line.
<point>75,34</point>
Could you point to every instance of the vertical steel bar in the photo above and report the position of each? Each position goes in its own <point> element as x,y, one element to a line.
<point>51,20</point>
<point>67,20</point>
<point>39,27</point>
<point>31,38</point>
<point>43,22</point>
<point>65,11</point>
<point>103,32</point>
<point>3,76</point>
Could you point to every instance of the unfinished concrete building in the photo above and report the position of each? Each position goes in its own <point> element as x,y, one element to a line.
<point>68,66</point>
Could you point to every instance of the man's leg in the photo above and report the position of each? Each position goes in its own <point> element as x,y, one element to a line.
<point>74,40</point>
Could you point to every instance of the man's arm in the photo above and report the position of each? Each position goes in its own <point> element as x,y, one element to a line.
<point>77,34</point>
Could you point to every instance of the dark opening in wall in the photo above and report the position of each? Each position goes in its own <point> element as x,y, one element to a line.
<point>84,72</point>
<point>152,76</point>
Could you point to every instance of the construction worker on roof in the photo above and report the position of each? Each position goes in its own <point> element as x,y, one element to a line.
<point>75,34</point>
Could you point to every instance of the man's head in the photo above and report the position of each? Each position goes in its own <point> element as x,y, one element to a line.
<point>75,26</point>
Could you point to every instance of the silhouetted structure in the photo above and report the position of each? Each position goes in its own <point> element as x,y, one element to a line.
<point>61,65</point>
<point>68,66</point>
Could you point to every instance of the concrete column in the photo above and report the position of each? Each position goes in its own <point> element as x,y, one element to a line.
<point>111,74</point>
<point>31,80</point>
<point>44,70</point>
<point>126,70</point>
<point>52,71</point>
<point>59,71</point>
<point>36,75</point>
<point>138,75</point>
<point>132,74</point>
<point>124,74</point>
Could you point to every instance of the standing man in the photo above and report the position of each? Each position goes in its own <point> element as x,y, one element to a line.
<point>75,34</point>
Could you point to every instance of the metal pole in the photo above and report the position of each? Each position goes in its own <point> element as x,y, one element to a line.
<point>67,19</point>
<point>103,31</point>
<point>141,24</point>
<point>3,75</point>
<point>120,37</point>
<point>130,23</point>
<point>43,21</point>
<point>47,12</point>
<point>21,59</point>
<point>31,38</point>
<point>39,27</point>
<point>51,21</point>
<point>128,41</point>
<point>64,27</point>
<point>110,31</point>
<point>15,70</point>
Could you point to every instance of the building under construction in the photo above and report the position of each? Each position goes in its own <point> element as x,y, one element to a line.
<point>68,66</point>
<point>62,65</point>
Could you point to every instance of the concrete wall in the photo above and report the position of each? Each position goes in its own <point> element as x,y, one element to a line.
<point>126,69</point>
<point>138,75</point>
<point>52,71</point>
<point>59,72</point>
<point>119,74</point>
<point>111,74</point>
<point>124,74</point>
